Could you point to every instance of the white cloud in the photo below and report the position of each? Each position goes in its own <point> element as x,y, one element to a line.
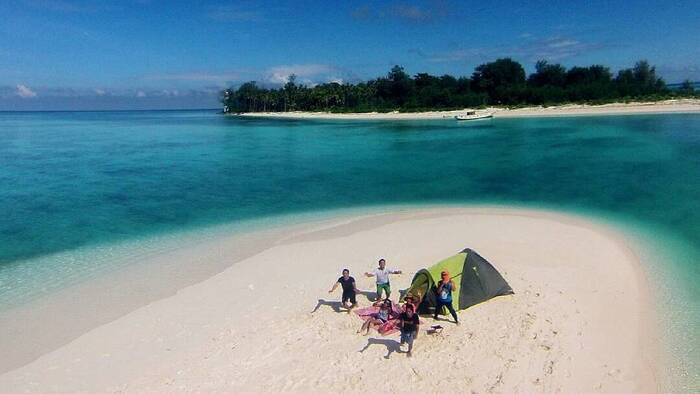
<point>140,93</point>
<point>558,48</point>
<point>559,43</point>
<point>170,92</point>
<point>25,92</point>
<point>305,72</point>
<point>530,49</point>
<point>99,92</point>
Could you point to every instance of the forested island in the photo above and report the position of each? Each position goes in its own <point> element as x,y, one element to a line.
<point>502,82</point>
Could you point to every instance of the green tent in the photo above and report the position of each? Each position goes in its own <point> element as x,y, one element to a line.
<point>476,279</point>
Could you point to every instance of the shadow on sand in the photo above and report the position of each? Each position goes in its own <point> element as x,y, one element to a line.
<point>337,306</point>
<point>391,346</point>
<point>372,295</point>
<point>443,318</point>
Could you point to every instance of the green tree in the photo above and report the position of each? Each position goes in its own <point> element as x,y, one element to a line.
<point>547,83</point>
<point>396,88</point>
<point>589,83</point>
<point>548,75</point>
<point>502,80</point>
<point>641,80</point>
<point>686,88</point>
<point>290,93</point>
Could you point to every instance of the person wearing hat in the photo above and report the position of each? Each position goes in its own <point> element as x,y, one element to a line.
<point>444,295</point>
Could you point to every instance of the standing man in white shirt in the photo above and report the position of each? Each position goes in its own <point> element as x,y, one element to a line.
<point>382,275</point>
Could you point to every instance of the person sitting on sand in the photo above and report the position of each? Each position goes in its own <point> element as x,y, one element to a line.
<point>349,289</point>
<point>377,319</point>
<point>382,275</point>
<point>409,322</point>
<point>444,295</point>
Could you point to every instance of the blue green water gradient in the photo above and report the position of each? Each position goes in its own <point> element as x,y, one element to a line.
<point>70,181</point>
<point>73,179</point>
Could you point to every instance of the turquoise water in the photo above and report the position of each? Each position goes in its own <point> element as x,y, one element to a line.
<point>71,181</point>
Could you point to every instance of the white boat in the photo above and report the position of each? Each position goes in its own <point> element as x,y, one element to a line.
<point>473,115</point>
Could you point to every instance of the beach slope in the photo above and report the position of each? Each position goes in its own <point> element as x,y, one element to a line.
<point>580,319</point>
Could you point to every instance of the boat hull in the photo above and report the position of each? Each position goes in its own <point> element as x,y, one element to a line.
<point>473,117</point>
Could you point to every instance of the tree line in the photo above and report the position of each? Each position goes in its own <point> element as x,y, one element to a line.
<point>499,83</point>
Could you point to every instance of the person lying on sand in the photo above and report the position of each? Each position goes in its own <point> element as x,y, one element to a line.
<point>349,289</point>
<point>376,320</point>
<point>409,322</point>
<point>444,298</point>
<point>382,275</point>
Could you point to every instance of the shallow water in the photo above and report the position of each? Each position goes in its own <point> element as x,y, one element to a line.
<point>73,185</point>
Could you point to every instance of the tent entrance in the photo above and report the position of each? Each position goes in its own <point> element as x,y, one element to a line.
<point>423,288</point>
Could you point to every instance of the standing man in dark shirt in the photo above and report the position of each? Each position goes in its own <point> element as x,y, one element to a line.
<point>349,289</point>
<point>409,322</point>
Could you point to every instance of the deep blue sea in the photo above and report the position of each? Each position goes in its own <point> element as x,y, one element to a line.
<point>71,181</point>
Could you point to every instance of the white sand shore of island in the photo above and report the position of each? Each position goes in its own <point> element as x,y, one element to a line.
<point>634,108</point>
<point>581,318</point>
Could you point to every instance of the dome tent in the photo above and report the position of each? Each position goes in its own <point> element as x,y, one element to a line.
<point>477,281</point>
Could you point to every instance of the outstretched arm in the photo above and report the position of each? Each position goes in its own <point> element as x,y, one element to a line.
<point>335,286</point>
<point>369,274</point>
<point>355,287</point>
<point>396,272</point>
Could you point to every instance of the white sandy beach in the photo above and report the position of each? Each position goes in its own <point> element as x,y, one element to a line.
<point>581,319</point>
<point>634,108</point>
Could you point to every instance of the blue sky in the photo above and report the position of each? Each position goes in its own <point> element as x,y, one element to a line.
<point>135,54</point>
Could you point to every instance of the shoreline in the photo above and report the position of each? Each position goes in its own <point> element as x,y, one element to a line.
<point>304,245</point>
<point>126,288</point>
<point>679,106</point>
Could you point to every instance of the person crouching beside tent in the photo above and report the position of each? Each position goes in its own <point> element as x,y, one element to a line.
<point>409,322</point>
<point>444,295</point>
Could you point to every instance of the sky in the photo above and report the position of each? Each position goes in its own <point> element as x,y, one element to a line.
<point>149,54</point>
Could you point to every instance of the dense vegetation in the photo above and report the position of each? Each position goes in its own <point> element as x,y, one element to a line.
<point>502,82</point>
